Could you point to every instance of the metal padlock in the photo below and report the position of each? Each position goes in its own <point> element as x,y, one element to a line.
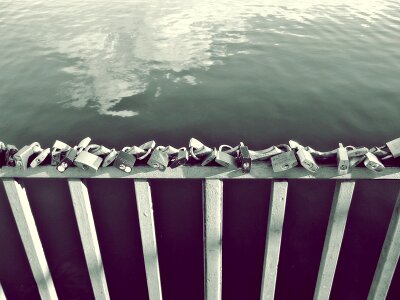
<point>265,154</point>
<point>87,161</point>
<point>373,163</point>
<point>306,160</point>
<point>59,148</point>
<point>180,158</point>
<point>357,152</point>
<point>198,149</point>
<point>210,157</point>
<point>158,159</point>
<point>394,147</point>
<point>244,159</point>
<point>342,160</point>
<point>22,156</point>
<point>355,161</point>
<point>98,150</point>
<point>83,144</point>
<point>124,161</point>
<point>224,159</point>
<point>68,160</point>
<point>11,150</point>
<point>108,160</point>
<point>40,158</point>
<point>284,161</point>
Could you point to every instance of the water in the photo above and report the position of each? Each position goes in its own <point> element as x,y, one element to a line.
<point>125,72</point>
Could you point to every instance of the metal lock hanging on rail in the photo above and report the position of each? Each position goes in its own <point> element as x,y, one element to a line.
<point>394,147</point>
<point>373,163</point>
<point>124,161</point>
<point>307,160</point>
<point>142,151</point>
<point>11,150</point>
<point>224,159</point>
<point>284,161</point>
<point>110,158</point>
<point>158,159</point>
<point>244,158</point>
<point>355,152</point>
<point>68,160</point>
<point>87,161</point>
<point>22,156</point>
<point>40,158</point>
<point>180,158</point>
<point>98,150</point>
<point>59,148</point>
<point>264,154</point>
<point>198,149</point>
<point>342,160</point>
<point>210,157</point>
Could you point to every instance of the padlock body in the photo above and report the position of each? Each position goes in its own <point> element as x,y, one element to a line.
<point>124,161</point>
<point>373,163</point>
<point>284,161</point>
<point>394,147</point>
<point>110,158</point>
<point>244,159</point>
<point>22,156</point>
<point>68,160</point>
<point>210,157</point>
<point>87,161</point>
<point>158,160</point>
<point>307,161</point>
<point>343,161</point>
<point>10,152</point>
<point>225,159</point>
<point>180,159</point>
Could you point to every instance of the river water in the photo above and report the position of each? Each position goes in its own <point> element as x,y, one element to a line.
<point>260,72</point>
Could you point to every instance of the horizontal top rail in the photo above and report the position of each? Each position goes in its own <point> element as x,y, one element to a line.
<point>259,170</point>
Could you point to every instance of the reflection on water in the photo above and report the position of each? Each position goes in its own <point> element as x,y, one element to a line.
<point>107,56</point>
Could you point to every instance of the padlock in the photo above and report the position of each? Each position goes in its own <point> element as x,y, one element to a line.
<point>198,149</point>
<point>264,154</point>
<point>342,160</point>
<point>22,156</point>
<point>180,158</point>
<point>357,152</point>
<point>210,157</point>
<point>394,147</point>
<point>59,148</point>
<point>355,161</point>
<point>306,160</point>
<point>158,159</point>
<point>224,159</point>
<point>244,159</point>
<point>83,144</point>
<point>108,160</point>
<point>124,161</point>
<point>68,160</point>
<point>87,161</point>
<point>11,150</point>
<point>284,161</point>
<point>40,158</point>
<point>373,163</point>
<point>98,150</point>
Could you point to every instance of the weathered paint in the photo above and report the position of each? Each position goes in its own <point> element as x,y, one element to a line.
<point>148,234</point>
<point>212,212</point>
<point>388,259</point>
<point>259,170</point>
<point>333,239</point>
<point>87,231</point>
<point>273,239</point>
<point>30,237</point>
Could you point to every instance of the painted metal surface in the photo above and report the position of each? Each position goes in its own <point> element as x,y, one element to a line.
<point>273,240</point>
<point>212,213</point>
<point>333,239</point>
<point>148,234</point>
<point>87,231</point>
<point>30,238</point>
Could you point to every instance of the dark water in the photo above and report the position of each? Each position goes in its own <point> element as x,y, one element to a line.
<point>126,72</point>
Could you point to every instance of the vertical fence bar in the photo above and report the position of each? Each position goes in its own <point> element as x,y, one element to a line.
<point>274,237</point>
<point>333,239</point>
<point>388,259</point>
<point>2,295</point>
<point>30,237</point>
<point>148,234</point>
<point>212,234</point>
<point>87,231</point>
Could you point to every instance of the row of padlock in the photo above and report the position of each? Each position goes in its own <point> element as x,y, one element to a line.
<point>89,156</point>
